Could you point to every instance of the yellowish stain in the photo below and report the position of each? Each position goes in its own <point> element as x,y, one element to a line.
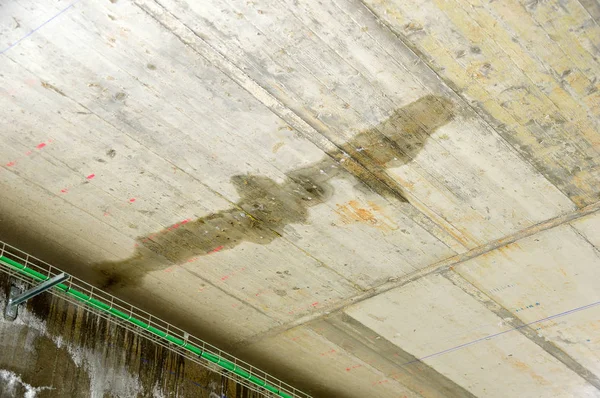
<point>371,215</point>
<point>277,146</point>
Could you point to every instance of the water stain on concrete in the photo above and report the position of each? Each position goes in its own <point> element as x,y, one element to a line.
<point>265,206</point>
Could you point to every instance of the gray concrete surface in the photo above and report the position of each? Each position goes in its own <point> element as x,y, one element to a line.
<point>382,198</point>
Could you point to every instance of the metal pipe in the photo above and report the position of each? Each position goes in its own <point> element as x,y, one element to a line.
<point>42,287</point>
<point>92,302</point>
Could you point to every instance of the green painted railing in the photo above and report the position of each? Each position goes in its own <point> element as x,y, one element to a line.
<point>97,304</point>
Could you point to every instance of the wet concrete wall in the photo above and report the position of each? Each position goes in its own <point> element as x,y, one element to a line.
<point>56,349</point>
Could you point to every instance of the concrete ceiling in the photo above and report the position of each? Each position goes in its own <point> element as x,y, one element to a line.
<point>367,197</point>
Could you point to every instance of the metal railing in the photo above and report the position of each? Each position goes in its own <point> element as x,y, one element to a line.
<point>218,357</point>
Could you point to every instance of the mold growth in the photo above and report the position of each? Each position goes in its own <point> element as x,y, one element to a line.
<point>265,207</point>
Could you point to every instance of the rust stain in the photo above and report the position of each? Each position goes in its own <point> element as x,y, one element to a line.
<point>524,368</point>
<point>352,212</point>
<point>49,86</point>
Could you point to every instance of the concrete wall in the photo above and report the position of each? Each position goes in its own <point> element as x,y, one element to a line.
<point>56,349</point>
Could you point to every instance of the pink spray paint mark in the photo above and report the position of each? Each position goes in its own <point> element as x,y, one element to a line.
<point>91,176</point>
<point>381,382</point>
<point>131,200</point>
<point>187,220</point>
<point>332,351</point>
<point>216,249</point>
<point>64,190</point>
<point>40,146</point>
<point>10,164</point>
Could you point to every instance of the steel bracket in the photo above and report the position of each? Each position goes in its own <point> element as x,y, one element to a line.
<point>17,296</point>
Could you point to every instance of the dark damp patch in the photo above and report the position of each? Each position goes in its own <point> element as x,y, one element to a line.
<point>265,206</point>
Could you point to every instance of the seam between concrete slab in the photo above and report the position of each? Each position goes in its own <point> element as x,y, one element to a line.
<point>482,115</point>
<point>582,236</point>
<point>187,36</point>
<point>592,8</point>
<point>431,269</point>
<point>517,324</point>
<point>353,333</point>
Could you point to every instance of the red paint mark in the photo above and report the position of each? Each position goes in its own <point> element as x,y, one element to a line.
<point>10,164</point>
<point>332,351</point>
<point>352,367</point>
<point>191,260</point>
<point>216,249</point>
<point>64,190</point>
<point>187,220</point>
<point>170,269</point>
<point>132,200</point>
<point>91,176</point>
<point>315,304</point>
<point>136,245</point>
<point>225,277</point>
<point>28,153</point>
<point>40,146</point>
<point>381,382</point>
<point>295,338</point>
<point>106,214</point>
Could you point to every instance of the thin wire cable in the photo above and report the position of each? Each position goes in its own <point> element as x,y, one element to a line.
<point>39,27</point>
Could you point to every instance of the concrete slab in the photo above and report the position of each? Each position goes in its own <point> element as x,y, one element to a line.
<point>438,323</point>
